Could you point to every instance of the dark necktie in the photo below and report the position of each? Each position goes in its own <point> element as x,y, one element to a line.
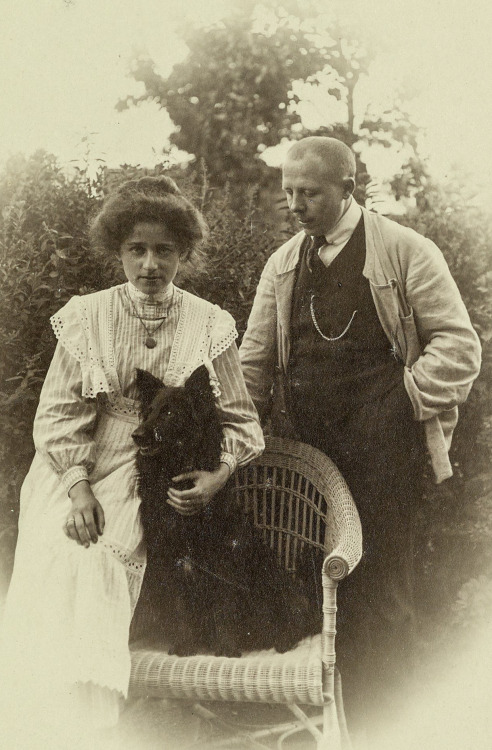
<point>317,241</point>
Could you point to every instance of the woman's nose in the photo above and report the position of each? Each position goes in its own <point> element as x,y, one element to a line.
<point>150,259</point>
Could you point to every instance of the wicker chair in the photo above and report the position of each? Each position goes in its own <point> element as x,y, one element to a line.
<point>298,497</point>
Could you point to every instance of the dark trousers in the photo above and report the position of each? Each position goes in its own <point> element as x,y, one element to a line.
<point>379,450</point>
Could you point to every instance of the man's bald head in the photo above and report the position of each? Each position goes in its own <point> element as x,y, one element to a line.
<point>318,178</point>
<point>335,157</point>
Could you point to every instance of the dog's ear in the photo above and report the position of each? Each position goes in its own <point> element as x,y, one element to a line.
<point>198,384</point>
<point>147,387</point>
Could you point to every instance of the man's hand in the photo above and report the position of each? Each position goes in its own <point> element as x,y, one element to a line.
<point>85,522</point>
<point>205,485</point>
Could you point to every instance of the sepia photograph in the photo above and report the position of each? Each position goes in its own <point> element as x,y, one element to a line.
<point>245,375</point>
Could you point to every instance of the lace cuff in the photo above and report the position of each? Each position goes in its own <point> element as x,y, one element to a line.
<point>71,328</point>
<point>73,475</point>
<point>228,458</point>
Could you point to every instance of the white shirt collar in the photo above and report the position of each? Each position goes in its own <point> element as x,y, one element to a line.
<point>338,237</point>
<point>344,228</point>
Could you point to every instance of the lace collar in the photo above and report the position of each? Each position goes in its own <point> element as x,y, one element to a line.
<point>150,307</point>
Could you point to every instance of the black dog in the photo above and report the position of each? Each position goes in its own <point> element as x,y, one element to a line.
<point>211,583</point>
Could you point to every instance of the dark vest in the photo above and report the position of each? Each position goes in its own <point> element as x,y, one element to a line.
<point>330,379</point>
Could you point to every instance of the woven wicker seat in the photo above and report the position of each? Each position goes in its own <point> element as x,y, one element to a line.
<point>298,497</point>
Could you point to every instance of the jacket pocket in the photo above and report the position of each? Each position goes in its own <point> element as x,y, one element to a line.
<point>411,339</point>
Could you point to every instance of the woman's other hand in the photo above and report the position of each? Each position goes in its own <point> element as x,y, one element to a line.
<point>205,485</point>
<point>85,522</point>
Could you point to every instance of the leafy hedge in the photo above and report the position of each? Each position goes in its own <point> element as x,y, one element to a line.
<point>455,519</point>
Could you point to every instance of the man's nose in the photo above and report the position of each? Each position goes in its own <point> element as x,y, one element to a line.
<point>297,203</point>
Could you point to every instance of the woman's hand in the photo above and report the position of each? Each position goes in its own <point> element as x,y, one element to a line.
<point>205,485</point>
<point>85,522</point>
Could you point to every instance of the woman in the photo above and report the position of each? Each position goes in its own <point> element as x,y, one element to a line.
<point>80,558</point>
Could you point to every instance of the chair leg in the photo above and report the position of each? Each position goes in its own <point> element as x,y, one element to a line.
<point>331,739</point>
<point>309,724</point>
<point>334,734</point>
<point>252,737</point>
<point>342,721</point>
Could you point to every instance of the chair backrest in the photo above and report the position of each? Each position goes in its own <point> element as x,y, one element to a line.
<point>297,496</point>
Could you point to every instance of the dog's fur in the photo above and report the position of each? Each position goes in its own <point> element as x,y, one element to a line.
<point>211,584</point>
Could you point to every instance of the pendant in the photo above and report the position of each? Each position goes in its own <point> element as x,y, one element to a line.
<point>150,343</point>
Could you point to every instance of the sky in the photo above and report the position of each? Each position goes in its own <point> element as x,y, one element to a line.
<point>65,63</point>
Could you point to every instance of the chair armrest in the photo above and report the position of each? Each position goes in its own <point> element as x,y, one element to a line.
<point>347,547</point>
<point>347,553</point>
<point>336,567</point>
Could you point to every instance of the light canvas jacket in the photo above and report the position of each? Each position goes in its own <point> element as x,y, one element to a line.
<point>419,307</point>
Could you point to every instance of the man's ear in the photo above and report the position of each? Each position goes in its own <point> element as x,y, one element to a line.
<point>147,387</point>
<point>348,187</point>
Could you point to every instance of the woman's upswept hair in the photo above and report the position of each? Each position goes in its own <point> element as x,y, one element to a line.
<point>148,199</point>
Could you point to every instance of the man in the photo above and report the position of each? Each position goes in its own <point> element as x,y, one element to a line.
<point>360,330</point>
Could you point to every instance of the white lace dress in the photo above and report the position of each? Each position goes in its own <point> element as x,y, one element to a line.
<point>69,608</point>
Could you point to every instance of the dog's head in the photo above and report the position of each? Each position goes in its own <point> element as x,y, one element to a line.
<point>172,418</point>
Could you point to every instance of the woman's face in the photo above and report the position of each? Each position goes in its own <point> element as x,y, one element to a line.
<point>150,257</point>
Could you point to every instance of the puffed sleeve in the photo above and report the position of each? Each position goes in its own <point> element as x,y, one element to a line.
<point>243,436</point>
<point>64,420</point>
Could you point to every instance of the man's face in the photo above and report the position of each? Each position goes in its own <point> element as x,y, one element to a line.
<point>314,196</point>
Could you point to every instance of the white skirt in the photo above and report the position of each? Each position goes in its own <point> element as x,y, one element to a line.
<point>68,610</point>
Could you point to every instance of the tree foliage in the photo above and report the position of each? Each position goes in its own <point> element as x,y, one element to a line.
<point>234,95</point>
<point>230,99</point>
